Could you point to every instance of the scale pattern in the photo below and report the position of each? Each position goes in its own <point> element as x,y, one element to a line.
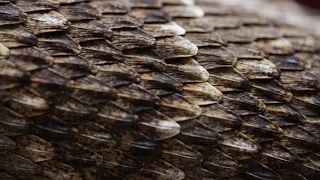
<point>155,89</point>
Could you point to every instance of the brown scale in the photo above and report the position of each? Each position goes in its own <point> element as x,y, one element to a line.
<point>222,164</point>
<point>11,15</point>
<point>279,46</point>
<point>187,70</point>
<point>246,50</point>
<point>53,129</point>
<point>34,148</point>
<point>161,80</point>
<point>131,89</point>
<point>79,12</point>
<point>43,22</point>
<point>198,172</point>
<point>19,166</point>
<point>211,8</point>
<point>6,145</point>
<point>70,110</point>
<point>37,5</point>
<point>12,123</point>
<point>232,35</point>
<point>28,102</point>
<point>183,108</point>
<point>95,136</point>
<point>256,169</point>
<point>118,74</point>
<point>70,1</point>
<point>157,126</point>
<point>175,47</point>
<point>110,7</point>
<point>130,39</point>
<point>252,19</point>
<point>58,44</point>
<point>125,92</point>
<point>101,52</point>
<point>16,36</point>
<point>219,118</point>
<point>150,15</point>
<point>11,76</point>
<point>270,90</point>
<point>179,154</point>
<point>187,11</point>
<point>86,31</point>
<point>163,30</point>
<point>54,169</point>
<point>35,59</point>
<point>120,163</point>
<point>138,145</point>
<point>224,21</point>
<point>257,69</point>
<point>4,51</point>
<point>120,21</point>
<point>199,25</point>
<point>77,155</point>
<point>47,77</point>
<point>228,77</point>
<point>137,93</point>
<point>205,39</point>
<point>6,176</point>
<point>243,103</point>
<point>213,57</point>
<point>173,66</point>
<point>144,60</point>
<point>202,93</point>
<point>285,49</point>
<point>158,170</point>
<point>73,67</point>
<point>198,133</point>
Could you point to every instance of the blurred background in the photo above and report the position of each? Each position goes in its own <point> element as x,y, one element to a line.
<point>301,13</point>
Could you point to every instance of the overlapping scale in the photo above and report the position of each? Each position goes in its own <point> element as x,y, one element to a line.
<point>155,89</point>
<point>11,14</point>
<point>37,5</point>
<point>17,36</point>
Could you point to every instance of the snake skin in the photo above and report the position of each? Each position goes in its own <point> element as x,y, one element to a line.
<point>155,89</point>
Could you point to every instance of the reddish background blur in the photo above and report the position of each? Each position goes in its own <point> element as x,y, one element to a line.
<point>301,13</point>
<point>310,3</point>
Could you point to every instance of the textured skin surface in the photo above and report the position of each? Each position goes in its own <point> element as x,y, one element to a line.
<point>155,89</point>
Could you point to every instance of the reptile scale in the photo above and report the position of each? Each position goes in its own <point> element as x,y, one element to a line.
<point>155,89</point>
